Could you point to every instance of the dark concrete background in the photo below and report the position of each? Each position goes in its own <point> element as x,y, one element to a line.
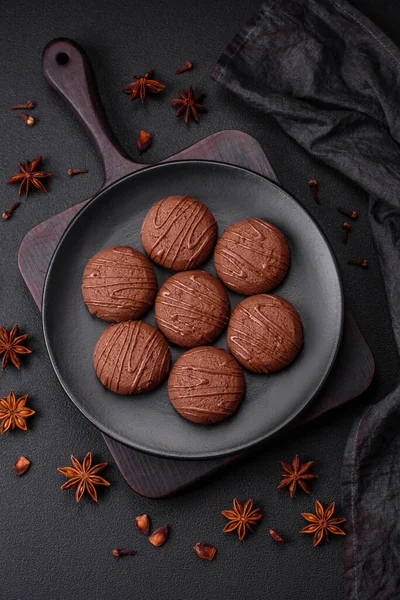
<point>50,547</point>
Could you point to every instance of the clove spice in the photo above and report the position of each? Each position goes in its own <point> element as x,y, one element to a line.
<point>186,67</point>
<point>72,172</point>
<point>123,552</point>
<point>27,105</point>
<point>313,183</point>
<point>359,262</point>
<point>352,214</point>
<point>346,230</point>
<point>29,120</point>
<point>7,213</point>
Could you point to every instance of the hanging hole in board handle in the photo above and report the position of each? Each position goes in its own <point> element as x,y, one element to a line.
<point>62,58</point>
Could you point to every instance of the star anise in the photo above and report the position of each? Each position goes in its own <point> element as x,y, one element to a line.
<point>30,176</point>
<point>295,474</point>
<point>322,523</point>
<point>141,85</point>
<point>10,346</point>
<point>242,517</point>
<point>13,412</point>
<point>189,104</point>
<point>83,476</point>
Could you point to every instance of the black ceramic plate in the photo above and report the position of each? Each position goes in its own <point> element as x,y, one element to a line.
<point>149,422</point>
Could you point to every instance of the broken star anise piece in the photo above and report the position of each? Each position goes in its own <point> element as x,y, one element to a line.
<point>189,104</point>
<point>276,536</point>
<point>144,140</point>
<point>159,536</point>
<point>143,524</point>
<point>10,346</point>
<point>242,517</point>
<point>21,466</point>
<point>29,175</point>
<point>205,551</point>
<point>84,477</point>
<point>141,85</point>
<point>295,474</point>
<point>322,522</point>
<point>13,412</point>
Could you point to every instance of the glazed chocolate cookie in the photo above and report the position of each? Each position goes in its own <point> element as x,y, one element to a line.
<point>251,257</point>
<point>192,308</point>
<point>119,284</point>
<point>131,357</point>
<point>178,233</point>
<point>265,333</point>
<point>206,385</point>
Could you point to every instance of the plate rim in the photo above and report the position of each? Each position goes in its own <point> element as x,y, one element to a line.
<point>178,455</point>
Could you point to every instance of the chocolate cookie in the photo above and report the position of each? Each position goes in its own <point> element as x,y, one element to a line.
<point>192,308</point>
<point>265,333</point>
<point>131,357</point>
<point>119,284</point>
<point>178,233</point>
<point>206,385</point>
<point>251,257</point>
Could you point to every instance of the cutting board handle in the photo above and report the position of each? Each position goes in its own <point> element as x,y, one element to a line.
<point>67,69</point>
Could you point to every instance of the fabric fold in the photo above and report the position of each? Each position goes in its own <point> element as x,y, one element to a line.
<point>331,79</point>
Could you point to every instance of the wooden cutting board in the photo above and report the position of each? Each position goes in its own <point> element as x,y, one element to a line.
<point>67,69</point>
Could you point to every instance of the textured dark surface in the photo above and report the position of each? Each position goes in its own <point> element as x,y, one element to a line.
<point>51,547</point>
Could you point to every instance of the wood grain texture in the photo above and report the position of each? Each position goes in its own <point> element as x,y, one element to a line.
<point>69,72</point>
<point>67,69</point>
